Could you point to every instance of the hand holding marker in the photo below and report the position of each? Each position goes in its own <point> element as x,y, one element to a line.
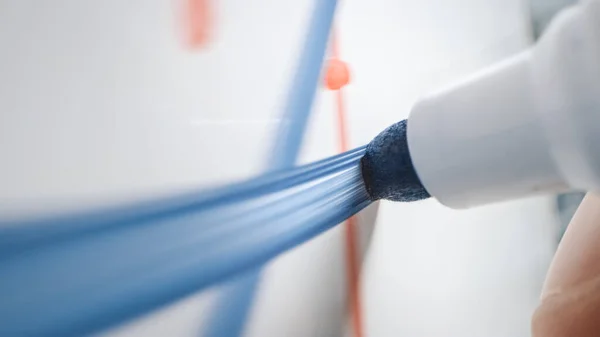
<point>526,126</point>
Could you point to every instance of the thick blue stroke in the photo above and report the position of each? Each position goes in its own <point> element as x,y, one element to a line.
<point>16,236</point>
<point>230,314</point>
<point>77,284</point>
<point>303,87</point>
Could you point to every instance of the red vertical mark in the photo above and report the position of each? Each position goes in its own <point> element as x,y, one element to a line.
<point>337,74</point>
<point>198,22</point>
<point>336,77</point>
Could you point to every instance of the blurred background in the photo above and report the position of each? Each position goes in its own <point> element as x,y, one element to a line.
<point>104,102</point>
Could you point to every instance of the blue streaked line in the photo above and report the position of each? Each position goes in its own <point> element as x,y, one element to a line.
<point>88,283</point>
<point>16,236</point>
<point>231,313</point>
<point>304,86</point>
<point>229,316</point>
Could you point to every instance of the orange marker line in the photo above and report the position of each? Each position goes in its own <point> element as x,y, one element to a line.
<point>352,250</point>
<point>198,22</point>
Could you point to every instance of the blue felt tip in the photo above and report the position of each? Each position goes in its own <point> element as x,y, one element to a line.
<point>387,168</point>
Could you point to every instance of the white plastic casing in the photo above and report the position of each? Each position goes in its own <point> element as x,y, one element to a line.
<point>528,125</point>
